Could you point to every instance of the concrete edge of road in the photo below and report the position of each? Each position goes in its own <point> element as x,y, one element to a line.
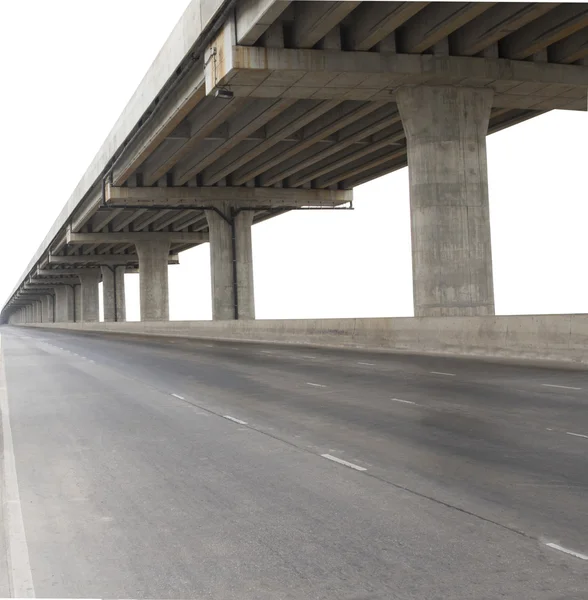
<point>545,339</point>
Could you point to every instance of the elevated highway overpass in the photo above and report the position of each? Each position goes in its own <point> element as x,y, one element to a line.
<point>257,107</point>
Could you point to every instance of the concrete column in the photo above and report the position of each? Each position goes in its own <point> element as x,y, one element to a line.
<point>451,249</point>
<point>47,304</point>
<point>113,293</point>
<point>37,312</point>
<point>89,296</point>
<point>153,280</point>
<point>64,304</point>
<point>77,293</point>
<point>230,258</point>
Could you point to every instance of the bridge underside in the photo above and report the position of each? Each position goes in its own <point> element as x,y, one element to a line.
<point>290,105</point>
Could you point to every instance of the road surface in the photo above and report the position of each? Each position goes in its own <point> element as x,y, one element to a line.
<point>163,468</point>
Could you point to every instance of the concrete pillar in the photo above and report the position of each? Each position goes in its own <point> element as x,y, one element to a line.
<point>47,304</point>
<point>230,258</point>
<point>37,312</point>
<point>153,280</point>
<point>451,249</point>
<point>77,292</point>
<point>64,304</point>
<point>113,293</point>
<point>28,313</point>
<point>89,295</point>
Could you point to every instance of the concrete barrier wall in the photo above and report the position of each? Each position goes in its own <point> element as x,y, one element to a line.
<point>536,337</point>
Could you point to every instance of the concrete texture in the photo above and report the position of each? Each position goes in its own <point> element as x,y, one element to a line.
<point>89,296</point>
<point>450,221</point>
<point>47,304</point>
<point>221,264</point>
<point>536,337</point>
<point>64,304</point>
<point>77,289</point>
<point>113,293</point>
<point>153,280</point>
<point>130,492</point>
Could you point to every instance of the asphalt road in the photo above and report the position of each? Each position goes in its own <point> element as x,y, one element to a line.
<point>191,469</point>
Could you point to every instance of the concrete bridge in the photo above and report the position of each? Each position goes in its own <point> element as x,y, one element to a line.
<point>258,107</point>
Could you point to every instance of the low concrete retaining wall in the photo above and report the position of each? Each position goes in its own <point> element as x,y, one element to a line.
<point>536,337</point>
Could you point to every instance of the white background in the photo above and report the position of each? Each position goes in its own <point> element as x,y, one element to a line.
<point>69,67</point>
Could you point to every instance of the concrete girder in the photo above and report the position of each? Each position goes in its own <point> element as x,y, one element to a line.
<point>85,213</point>
<point>366,76</point>
<point>313,20</point>
<point>543,32</point>
<point>347,137</point>
<point>212,114</point>
<point>571,49</point>
<point>495,24</point>
<point>246,123</point>
<point>125,237</point>
<point>100,259</point>
<point>196,218</point>
<point>248,173</point>
<point>235,159</point>
<point>253,17</point>
<point>101,219</point>
<point>171,219</point>
<point>172,111</point>
<point>373,22</point>
<point>150,218</point>
<point>436,22</point>
<point>123,221</point>
<point>207,197</point>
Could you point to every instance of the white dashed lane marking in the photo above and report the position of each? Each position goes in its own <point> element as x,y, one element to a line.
<point>178,396</point>
<point>235,420</point>
<point>441,373</point>
<point>403,401</point>
<point>366,364</point>
<point>316,384</point>
<point>577,434</point>
<point>561,387</point>
<point>343,462</point>
<point>567,551</point>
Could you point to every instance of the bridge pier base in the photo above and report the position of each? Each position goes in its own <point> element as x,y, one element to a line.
<point>64,304</point>
<point>153,279</point>
<point>231,263</point>
<point>89,296</point>
<point>446,130</point>
<point>113,292</point>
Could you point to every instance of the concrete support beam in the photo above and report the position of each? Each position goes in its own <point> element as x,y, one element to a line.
<point>130,260</point>
<point>64,303</point>
<point>113,293</point>
<point>37,312</point>
<point>177,237</point>
<point>153,279</point>
<point>452,261</point>
<point>231,264</point>
<point>208,197</point>
<point>89,295</point>
<point>253,17</point>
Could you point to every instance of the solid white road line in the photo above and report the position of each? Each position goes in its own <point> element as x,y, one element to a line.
<point>343,462</point>
<point>178,396</point>
<point>577,434</point>
<point>266,352</point>
<point>366,364</point>
<point>562,387</point>
<point>403,401</point>
<point>19,567</point>
<point>441,373</point>
<point>315,384</point>
<point>235,420</point>
<point>570,552</point>
<point>308,356</point>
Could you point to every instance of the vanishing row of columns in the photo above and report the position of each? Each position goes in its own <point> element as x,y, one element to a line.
<point>446,129</point>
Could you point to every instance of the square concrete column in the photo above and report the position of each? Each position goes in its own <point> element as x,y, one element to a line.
<point>64,304</point>
<point>153,280</point>
<point>231,261</point>
<point>89,295</point>
<point>47,304</point>
<point>113,292</point>
<point>28,313</point>
<point>38,312</point>
<point>77,293</point>
<point>446,131</point>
